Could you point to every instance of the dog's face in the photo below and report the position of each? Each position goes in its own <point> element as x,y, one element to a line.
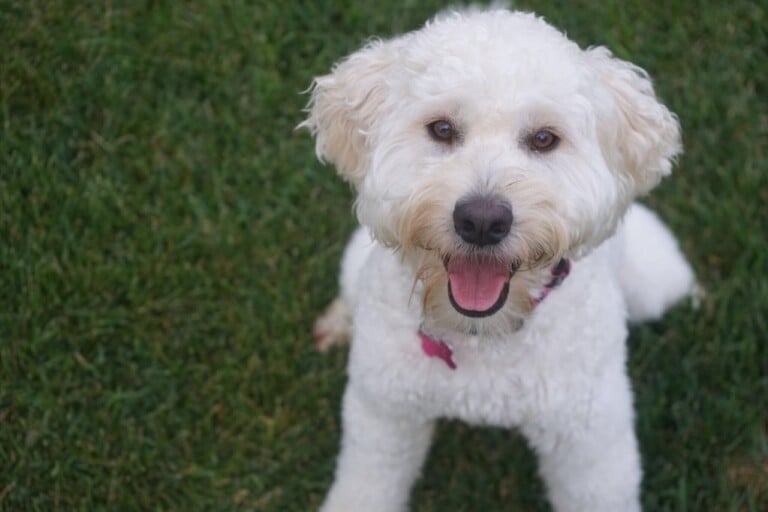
<point>488,145</point>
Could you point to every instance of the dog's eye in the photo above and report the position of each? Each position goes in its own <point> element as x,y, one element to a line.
<point>543,141</point>
<point>442,131</point>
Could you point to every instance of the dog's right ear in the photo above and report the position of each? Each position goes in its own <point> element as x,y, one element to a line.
<point>344,106</point>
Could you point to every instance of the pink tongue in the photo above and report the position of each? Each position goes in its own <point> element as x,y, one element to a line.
<point>476,284</point>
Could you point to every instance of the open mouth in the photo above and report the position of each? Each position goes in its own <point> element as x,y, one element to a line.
<point>478,286</point>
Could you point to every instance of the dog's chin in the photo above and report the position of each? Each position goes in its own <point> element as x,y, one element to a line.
<point>478,286</point>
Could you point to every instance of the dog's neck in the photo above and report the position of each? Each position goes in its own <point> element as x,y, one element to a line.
<point>434,346</point>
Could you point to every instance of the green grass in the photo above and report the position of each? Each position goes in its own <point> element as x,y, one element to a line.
<point>166,239</point>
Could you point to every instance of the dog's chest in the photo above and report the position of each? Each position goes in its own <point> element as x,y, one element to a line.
<point>487,386</point>
<point>480,393</point>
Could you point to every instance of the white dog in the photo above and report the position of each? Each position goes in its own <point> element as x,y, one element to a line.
<point>493,162</point>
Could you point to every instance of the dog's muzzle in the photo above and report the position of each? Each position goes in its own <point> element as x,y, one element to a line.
<point>478,284</point>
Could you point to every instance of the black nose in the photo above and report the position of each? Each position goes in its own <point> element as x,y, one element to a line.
<point>482,220</point>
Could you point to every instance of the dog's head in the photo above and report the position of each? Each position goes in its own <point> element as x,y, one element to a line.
<point>489,145</point>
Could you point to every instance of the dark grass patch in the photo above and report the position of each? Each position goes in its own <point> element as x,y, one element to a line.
<point>167,238</point>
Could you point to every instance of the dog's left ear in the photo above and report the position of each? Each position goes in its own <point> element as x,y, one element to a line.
<point>639,135</point>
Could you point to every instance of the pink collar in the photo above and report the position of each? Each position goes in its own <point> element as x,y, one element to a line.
<point>436,348</point>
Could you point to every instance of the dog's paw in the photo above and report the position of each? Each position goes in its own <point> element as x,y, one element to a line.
<point>333,327</point>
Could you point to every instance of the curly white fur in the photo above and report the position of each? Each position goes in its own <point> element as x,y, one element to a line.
<point>556,372</point>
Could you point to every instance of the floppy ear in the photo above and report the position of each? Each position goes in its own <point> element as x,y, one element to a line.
<point>640,136</point>
<point>344,105</point>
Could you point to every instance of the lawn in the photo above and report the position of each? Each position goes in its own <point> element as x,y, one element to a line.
<point>167,237</point>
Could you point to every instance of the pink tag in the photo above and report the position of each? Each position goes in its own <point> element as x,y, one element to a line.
<point>439,349</point>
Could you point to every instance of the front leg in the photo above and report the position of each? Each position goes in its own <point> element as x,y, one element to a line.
<point>588,454</point>
<point>381,456</point>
